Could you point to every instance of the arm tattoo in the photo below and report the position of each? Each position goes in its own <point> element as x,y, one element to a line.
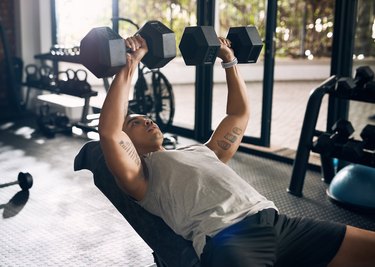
<point>129,148</point>
<point>223,145</point>
<point>230,137</point>
<point>236,130</point>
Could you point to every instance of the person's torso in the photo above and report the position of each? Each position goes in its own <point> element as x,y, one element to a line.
<point>196,194</point>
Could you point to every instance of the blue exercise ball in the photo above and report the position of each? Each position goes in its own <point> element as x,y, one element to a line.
<point>354,185</point>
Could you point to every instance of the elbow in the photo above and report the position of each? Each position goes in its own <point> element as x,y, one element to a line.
<point>247,114</point>
<point>108,129</point>
<point>105,133</point>
<point>246,111</point>
<point>243,113</point>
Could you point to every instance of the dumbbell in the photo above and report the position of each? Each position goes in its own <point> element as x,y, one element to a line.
<point>103,51</point>
<point>32,75</point>
<point>346,85</point>
<point>200,44</point>
<point>368,137</point>
<point>326,143</point>
<point>24,180</point>
<point>353,150</point>
<point>369,90</point>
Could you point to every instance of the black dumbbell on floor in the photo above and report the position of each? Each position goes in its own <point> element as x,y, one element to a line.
<point>327,142</point>
<point>200,44</point>
<point>24,180</point>
<point>103,51</point>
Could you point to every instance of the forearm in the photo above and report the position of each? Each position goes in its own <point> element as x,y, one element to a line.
<point>115,104</point>
<point>237,101</point>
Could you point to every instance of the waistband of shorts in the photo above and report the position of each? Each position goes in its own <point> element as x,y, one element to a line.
<point>265,217</point>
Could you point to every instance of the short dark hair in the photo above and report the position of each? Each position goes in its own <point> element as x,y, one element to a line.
<point>130,112</point>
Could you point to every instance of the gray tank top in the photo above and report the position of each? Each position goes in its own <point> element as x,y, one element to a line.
<point>196,194</point>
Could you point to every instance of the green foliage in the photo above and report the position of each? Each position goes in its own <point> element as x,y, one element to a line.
<point>305,28</point>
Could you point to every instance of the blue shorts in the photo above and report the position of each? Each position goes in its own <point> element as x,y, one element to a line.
<point>269,239</point>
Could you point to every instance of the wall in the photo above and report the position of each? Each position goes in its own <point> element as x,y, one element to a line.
<point>33,33</point>
<point>33,28</point>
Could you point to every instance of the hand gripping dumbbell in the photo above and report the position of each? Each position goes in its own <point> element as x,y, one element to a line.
<point>103,51</point>
<point>24,180</point>
<point>200,44</point>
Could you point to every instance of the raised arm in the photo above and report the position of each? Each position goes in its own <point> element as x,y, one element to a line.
<point>228,135</point>
<point>119,152</point>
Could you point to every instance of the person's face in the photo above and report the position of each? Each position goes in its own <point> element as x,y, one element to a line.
<point>144,133</point>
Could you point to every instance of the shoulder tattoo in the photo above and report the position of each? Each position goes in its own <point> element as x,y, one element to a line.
<point>130,150</point>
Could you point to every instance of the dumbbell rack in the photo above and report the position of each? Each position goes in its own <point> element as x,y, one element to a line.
<point>308,133</point>
<point>84,122</point>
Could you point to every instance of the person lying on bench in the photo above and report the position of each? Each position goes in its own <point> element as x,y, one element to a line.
<point>202,199</point>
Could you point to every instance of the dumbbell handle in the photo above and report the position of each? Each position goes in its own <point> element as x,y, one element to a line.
<point>24,180</point>
<point>8,184</point>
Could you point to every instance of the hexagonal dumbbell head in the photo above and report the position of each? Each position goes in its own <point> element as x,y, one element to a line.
<point>368,136</point>
<point>343,128</point>
<point>102,51</point>
<point>246,43</point>
<point>25,180</point>
<point>363,75</point>
<point>161,43</point>
<point>199,45</point>
<point>345,86</point>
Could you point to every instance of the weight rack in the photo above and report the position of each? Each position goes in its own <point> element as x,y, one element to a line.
<point>308,133</point>
<point>86,119</point>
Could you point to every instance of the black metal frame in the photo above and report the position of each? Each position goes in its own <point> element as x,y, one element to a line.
<point>268,78</point>
<point>342,54</point>
<point>307,133</point>
<point>341,65</point>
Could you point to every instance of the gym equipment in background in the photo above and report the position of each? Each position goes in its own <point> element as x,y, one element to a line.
<point>354,187</point>
<point>353,151</point>
<point>327,142</point>
<point>52,123</point>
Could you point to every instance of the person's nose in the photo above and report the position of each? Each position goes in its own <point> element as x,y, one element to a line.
<point>148,122</point>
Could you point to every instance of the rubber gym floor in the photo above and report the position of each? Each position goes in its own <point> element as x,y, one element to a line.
<point>64,220</point>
